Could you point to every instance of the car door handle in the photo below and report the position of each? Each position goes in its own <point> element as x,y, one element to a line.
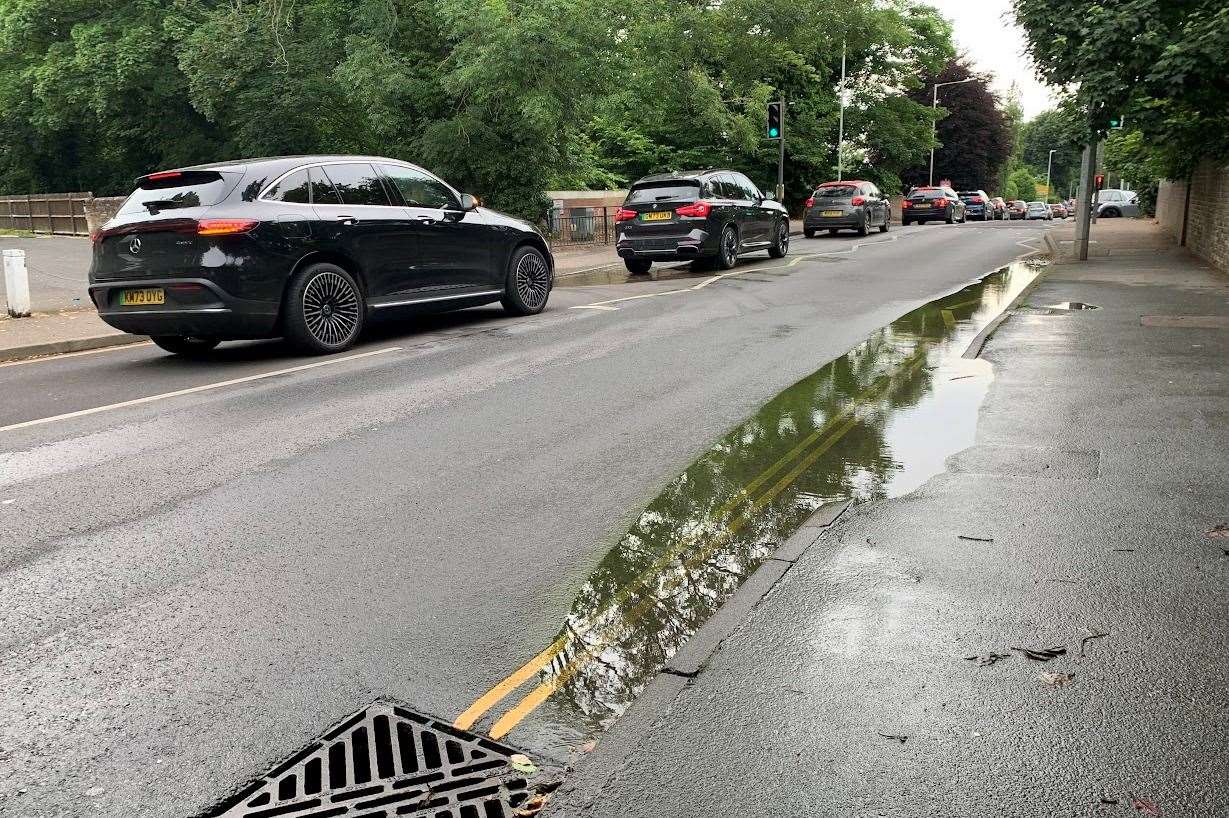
<point>347,220</point>
<point>424,219</point>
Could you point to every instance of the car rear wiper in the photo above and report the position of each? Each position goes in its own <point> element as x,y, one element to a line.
<point>154,205</point>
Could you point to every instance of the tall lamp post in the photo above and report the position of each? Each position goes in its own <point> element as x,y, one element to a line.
<point>934,124</point>
<point>1049,162</point>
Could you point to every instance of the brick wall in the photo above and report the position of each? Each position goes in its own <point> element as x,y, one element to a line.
<point>1207,230</point>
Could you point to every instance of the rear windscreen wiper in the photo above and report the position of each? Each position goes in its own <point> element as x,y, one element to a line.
<point>154,205</point>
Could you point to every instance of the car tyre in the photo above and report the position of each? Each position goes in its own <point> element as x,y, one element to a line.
<point>727,248</point>
<point>951,217</point>
<point>188,346</point>
<point>865,228</point>
<point>528,283</point>
<point>887,223</point>
<point>808,232</point>
<point>832,231</point>
<point>638,266</point>
<point>1110,213</point>
<point>780,244</point>
<point>324,309</point>
<point>905,222</point>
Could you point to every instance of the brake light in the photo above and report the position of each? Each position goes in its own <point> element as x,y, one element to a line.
<point>166,174</point>
<point>624,215</point>
<point>224,227</point>
<point>95,236</point>
<point>906,203</point>
<point>941,202</point>
<point>811,202</point>
<point>698,210</point>
<point>857,200</point>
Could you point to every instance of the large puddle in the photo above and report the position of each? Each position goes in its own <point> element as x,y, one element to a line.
<point>875,423</point>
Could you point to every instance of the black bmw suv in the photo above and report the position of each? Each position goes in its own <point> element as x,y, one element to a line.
<point>305,247</point>
<point>708,216</point>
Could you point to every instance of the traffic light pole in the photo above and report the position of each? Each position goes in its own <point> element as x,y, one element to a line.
<point>781,157</point>
<point>1083,206</point>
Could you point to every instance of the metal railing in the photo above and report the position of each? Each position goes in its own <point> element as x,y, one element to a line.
<point>576,226</point>
<point>60,214</point>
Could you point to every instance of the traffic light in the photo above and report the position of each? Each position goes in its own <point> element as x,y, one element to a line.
<point>774,119</point>
<point>1115,123</point>
<point>1099,182</point>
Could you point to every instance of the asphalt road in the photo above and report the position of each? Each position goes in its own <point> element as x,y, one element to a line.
<point>57,268</point>
<point>206,563</point>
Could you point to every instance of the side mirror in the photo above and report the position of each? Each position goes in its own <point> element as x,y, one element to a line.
<point>469,202</point>
<point>770,197</point>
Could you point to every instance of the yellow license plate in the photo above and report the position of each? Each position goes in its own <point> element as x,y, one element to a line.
<point>832,213</point>
<point>137,298</point>
<point>663,216</point>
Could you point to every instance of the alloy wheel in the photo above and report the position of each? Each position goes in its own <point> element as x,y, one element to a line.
<point>330,308</point>
<point>783,242</point>
<point>729,247</point>
<point>532,280</point>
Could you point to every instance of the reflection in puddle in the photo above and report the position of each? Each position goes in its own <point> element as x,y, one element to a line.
<point>1071,305</point>
<point>619,275</point>
<point>875,423</point>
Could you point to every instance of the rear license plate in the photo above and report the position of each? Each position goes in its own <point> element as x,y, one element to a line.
<point>663,216</point>
<point>136,298</point>
<point>831,213</point>
<point>921,206</point>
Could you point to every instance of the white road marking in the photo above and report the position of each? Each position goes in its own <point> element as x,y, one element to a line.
<point>192,390</point>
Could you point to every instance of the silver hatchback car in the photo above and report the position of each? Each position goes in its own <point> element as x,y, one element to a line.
<point>1112,203</point>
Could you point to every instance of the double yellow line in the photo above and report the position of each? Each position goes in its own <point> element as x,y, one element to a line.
<point>827,436</point>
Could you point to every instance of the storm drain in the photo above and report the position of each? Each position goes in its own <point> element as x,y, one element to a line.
<point>384,761</point>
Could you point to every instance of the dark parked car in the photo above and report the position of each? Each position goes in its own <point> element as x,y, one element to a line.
<point>305,247</point>
<point>977,205</point>
<point>1000,207</point>
<point>925,204</point>
<point>1017,209</point>
<point>709,216</point>
<point>851,205</point>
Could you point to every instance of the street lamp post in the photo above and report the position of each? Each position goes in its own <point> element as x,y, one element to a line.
<point>934,124</point>
<point>1049,162</point>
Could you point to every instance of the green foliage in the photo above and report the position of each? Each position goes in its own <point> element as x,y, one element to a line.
<point>505,98</point>
<point>1164,64</point>
<point>1129,157</point>
<point>1021,184</point>
<point>1053,130</point>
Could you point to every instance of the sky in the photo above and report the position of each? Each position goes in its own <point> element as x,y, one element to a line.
<point>985,31</point>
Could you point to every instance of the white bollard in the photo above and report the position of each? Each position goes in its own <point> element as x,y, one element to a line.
<point>16,282</point>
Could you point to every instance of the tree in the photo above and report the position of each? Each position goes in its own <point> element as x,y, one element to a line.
<point>1164,64</point>
<point>1129,158</point>
<point>1052,130</point>
<point>973,137</point>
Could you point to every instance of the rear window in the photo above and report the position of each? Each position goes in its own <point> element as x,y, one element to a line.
<point>664,192</point>
<point>969,195</point>
<point>926,194</point>
<point>836,191</point>
<point>178,191</point>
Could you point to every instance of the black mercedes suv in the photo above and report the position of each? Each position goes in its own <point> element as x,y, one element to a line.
<point>709,216</point>
<point>305,247</point>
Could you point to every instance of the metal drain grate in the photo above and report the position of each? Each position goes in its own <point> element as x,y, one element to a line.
<point>387,761</point>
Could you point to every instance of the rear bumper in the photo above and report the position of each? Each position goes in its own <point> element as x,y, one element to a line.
<point>851,221</point>
<point>194,306</point>
<point>912,215</point>
<point>695,243</point>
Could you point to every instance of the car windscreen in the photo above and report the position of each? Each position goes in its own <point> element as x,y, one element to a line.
<point>926,194</point>
<point>177,190</point>
<point>836,191</point>
<point>674,191</point>
<point>969,196</point>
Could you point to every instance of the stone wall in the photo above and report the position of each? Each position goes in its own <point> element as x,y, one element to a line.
<point>1207,229</point>
<point>100,209</point>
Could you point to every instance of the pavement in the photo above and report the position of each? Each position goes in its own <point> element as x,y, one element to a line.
<point>58,268</point>
<point>882,674</point>
<point>205,563</point>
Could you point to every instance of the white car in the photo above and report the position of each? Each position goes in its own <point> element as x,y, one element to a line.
<point>1112,203</point>
<point>1038,210</point>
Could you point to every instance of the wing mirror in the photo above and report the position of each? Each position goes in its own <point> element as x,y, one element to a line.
<point>769,197</point>
<point>469,202</point>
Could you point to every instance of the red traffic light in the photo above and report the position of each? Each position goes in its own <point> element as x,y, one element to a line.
<point>1100,181</point>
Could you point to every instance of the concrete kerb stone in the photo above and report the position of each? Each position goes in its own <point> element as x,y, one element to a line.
<point>29,351</point>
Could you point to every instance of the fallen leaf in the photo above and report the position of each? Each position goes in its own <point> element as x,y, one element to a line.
<point>521,763</point>
<point>974,539</point>
<point>533,806</point>
<point>1092,635</point>
<point>987,660</point>
<point>1042,654</point>
<point>901,739</point>
<point>1146,807</point>
<point>588,746</point>
<point>1057,679</point>
<point>1221,531</point>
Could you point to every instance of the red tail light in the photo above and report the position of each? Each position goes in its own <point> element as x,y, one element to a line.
<point>941,202</point>
<point>811,202</point>
<point>905,203</point>
<point>166,174</point>
<point>95,236</point>
<point>698,210</point>
<point>224,227</point>
<point>624,215</point>
<point>857,200</point>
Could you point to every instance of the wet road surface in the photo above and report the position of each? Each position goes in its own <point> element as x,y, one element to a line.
<point>206,563</point>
